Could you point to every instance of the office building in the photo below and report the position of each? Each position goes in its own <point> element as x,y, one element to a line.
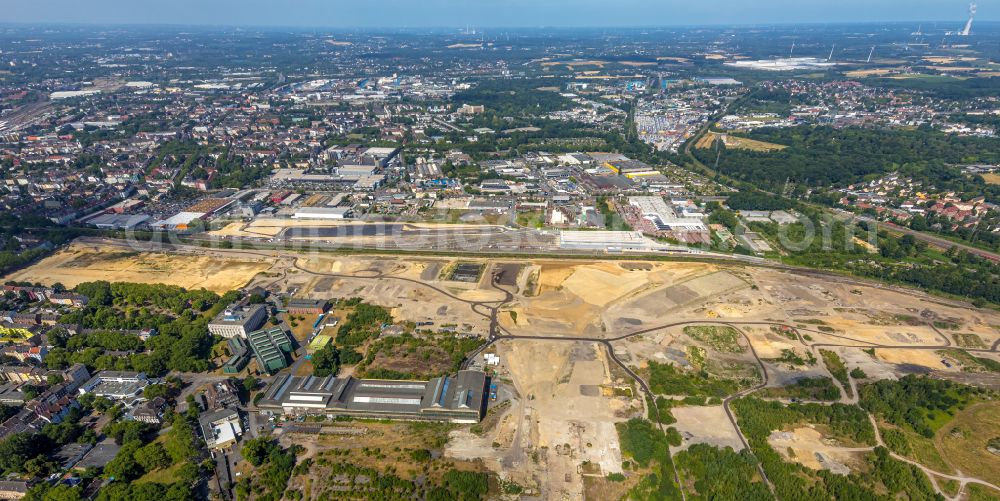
<point>238,320</point>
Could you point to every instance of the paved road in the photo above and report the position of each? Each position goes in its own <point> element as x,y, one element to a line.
<point>730,398</point>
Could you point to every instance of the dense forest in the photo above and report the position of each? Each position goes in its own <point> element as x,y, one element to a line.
<point>827,243</point>
<point>647,446</point>
<point>825,156</point>
<point>514,97</point>
<point>944,87</point>
<point>915,402</point>
<point>179,316</point>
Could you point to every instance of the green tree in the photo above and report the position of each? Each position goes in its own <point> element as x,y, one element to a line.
<point>152,456</point>
<point>257,450</point>
<point>326,361</point>
<point>181,443</point>
<point>124,466</point>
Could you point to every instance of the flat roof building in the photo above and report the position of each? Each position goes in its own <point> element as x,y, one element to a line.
<point>220,428</point>
<point>603,240</point>
<point>323,213</point>
<point>116,385</point>
<point>458,399</point>
<point>271,347</point>
<point>665,218</point>
<point>238,320</point>
<point>300,306</point>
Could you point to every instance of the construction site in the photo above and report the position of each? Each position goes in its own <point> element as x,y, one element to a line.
<point>575,345</point>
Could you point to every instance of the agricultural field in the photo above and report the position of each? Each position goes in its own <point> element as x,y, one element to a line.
<point>740,143</point>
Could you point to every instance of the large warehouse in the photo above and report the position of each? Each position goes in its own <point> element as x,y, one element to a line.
<point>665,218</point>
<point>458,399</point>
<point>603,240</point>
<point>323,213</point>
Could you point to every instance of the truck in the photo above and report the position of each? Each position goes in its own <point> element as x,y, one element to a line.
<point>493,391</point>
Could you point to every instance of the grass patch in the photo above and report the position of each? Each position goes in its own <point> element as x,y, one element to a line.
<point>837,369</point>
<point>970,362</point>
<point>949,487</point>
<point>968,340</point>
<point>161,476</point>
<point>531,219</point>
<point>964,440</point>
<point>923,451</point>
<point>665,379</point>
<point>815,388</point>
<point>792,357</point>
<point>721,338</point>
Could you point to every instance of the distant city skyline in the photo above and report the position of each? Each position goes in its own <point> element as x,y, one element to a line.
<point>480,14</point>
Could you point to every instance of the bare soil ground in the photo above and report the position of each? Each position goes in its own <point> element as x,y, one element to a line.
<point>562,420</point>
<point>561,415</point>
<point>809,447</point>
<point>705,425</point>
<point>86,263</point>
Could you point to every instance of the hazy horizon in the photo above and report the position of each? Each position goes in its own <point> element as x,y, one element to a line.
<point>510,14</point>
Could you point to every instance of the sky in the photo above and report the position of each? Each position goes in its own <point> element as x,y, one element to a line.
<point>484,14</point>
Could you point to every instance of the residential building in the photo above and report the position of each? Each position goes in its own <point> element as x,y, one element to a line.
<point>150,412</point>
<point>13,489</point>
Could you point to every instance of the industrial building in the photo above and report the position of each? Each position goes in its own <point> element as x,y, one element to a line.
<point>323,213</point>
<point>238,320</point>
<point>239,356</point>
<point>271,347</point>
<point>301,306</point>
<point>458,399</point>
<point>665,218</point>
<point>118,221</point>
<point>603,240</point>
<point>627,166</point>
